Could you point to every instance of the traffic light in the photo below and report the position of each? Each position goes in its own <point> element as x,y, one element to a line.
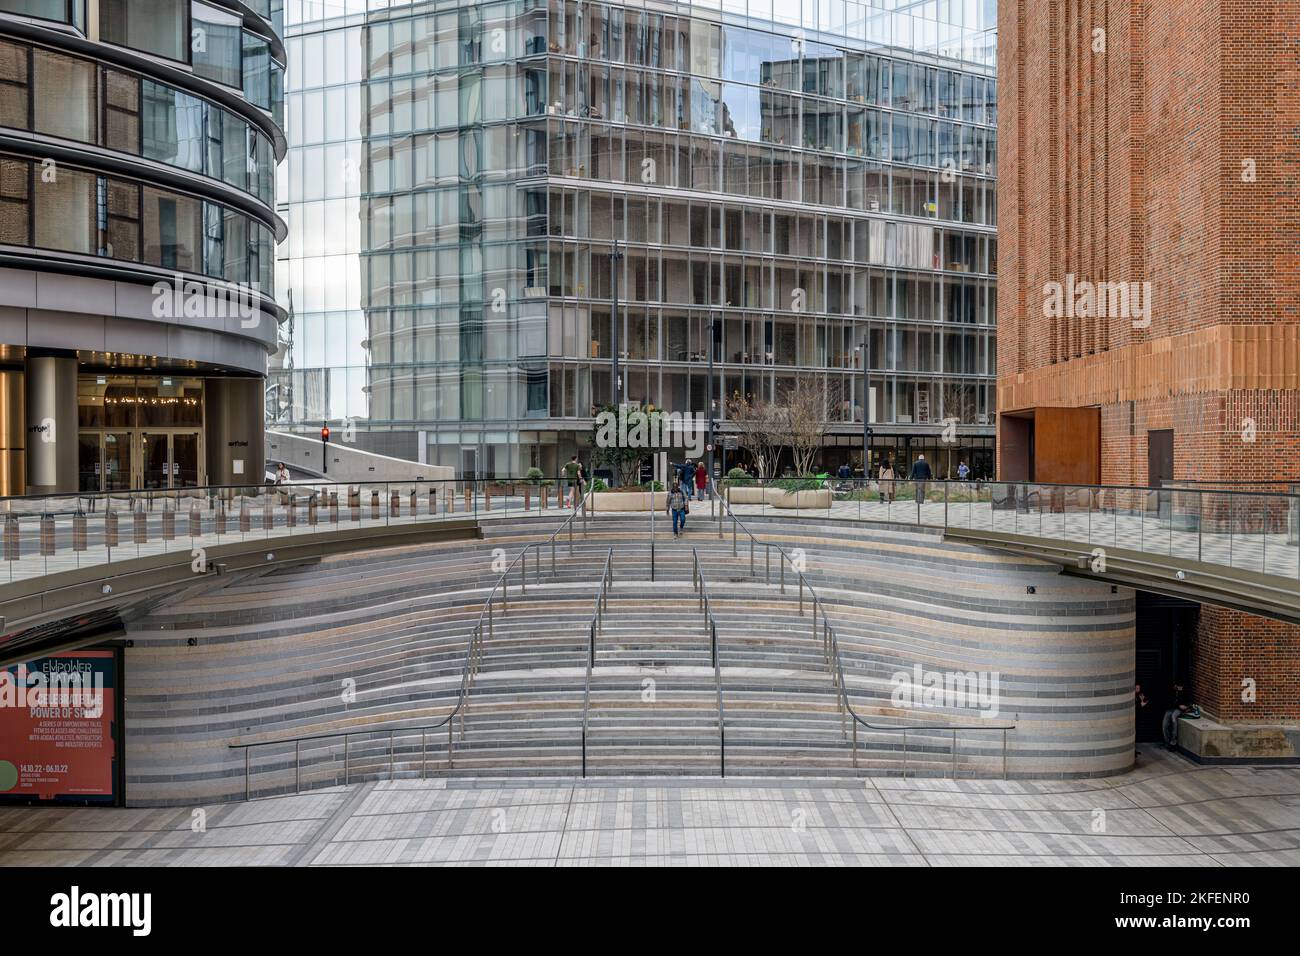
<point>324,447</point>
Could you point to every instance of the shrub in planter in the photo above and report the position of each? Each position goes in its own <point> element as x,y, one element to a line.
<point>534,476</point>
<point>599,485</point>
<point>739,477</point>
<point>652,486</point>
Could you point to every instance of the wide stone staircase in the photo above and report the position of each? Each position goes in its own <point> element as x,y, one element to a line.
<point>271,650</point>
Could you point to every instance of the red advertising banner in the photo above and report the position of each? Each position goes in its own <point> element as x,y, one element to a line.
<point>58,720</point>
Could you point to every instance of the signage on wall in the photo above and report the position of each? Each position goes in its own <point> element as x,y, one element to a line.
<point>59,734</point>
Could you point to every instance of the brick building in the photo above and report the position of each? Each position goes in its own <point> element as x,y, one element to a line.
<point>1149,276</point>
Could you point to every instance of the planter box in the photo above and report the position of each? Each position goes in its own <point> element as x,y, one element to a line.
<point>600,501</point>
<point>750,494</point>
<point>812,499</point>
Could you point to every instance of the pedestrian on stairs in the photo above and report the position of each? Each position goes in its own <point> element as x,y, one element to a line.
<point>678,507</point>
<point>701,480</point>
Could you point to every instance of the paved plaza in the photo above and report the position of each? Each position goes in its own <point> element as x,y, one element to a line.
<point>1167,812</point>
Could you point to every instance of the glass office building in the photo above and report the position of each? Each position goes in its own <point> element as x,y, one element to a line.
<point>138,146</point>
<point>779,184</point>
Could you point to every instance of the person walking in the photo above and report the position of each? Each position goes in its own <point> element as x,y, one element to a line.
<point>678,508</point>
<point>920,474</point>
<point>281,474</point>
<point>886,481</point>
<point>686,476</point>
<point>571,471</point>
<point>701,480</point>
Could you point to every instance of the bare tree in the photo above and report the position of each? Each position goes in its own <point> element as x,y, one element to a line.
<point>754,421</point>
<point>804,420</point>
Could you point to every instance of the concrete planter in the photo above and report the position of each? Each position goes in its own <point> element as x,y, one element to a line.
<point>749,495</point>
<point>812,499</point>
<point>599,501</point>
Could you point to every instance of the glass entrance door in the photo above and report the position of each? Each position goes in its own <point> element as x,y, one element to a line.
<point>185,459</point>
<point>117,471</point>
<point>156,460</point>
<point>124,460</point>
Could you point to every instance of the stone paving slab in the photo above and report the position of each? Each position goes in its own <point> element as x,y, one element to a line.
<point>1167,812</point>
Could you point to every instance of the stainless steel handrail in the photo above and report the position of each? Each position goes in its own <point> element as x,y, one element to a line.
<point>469,669</point>
<point>711,625</point>
<point>834,663</point>
<point>597,617</point>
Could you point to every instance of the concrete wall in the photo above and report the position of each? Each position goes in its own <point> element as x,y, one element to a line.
<point>346,462</point>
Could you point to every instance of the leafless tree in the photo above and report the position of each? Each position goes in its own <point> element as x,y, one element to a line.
<point>803,420</point>
<point>755,422</point>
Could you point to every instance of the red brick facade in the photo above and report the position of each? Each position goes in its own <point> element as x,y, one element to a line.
<point>1159,142</point>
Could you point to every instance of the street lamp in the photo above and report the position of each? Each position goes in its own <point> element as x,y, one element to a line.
<point>711,400</point>
<point>866,408</point>
<point>615,258</point>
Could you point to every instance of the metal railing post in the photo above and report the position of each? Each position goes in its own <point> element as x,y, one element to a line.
<point>954,755</point>
<point>392,754</point>
<point>904,753</point>
<point>347,769</point>
<point>424,752</point>
<point>855,745</point>
<point>451,744</point>
<point>297,768</point>
<point>1004,754</point>
<point>246,791</point>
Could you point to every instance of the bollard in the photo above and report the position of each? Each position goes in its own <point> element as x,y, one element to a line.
<point>220,518</point>
<point>469,503</point>
<point>395,504</point>
<point>527,496</point>
<point>141,527</point>
<point>334,507</point>
<point>79,532</point>
<point>47,535</point>
<point>487,499</point>
<point>433,500</point>
<point>245,518</point>
<point>415,504</point>
<point>110,529</point>
<point>291,511</point>
<point>311,510</point>
<point>196,522</point>
<point>374,505</point>
<point>11,538</point>
<point>268,516</point>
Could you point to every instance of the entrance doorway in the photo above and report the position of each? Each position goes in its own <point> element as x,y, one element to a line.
<point>123,459</point>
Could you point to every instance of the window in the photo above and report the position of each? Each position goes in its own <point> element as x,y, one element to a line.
<point>215,43</point>
<point>13,85</point>
<point>257,71</point>
<point>173,127</point>
<point>66,96</point>
<point>65,212</point>
<point>171,230</point>
<point>121,111</point>
<point>152,26</point>
<point>15,201</point>
<point>122,220</point>
<point>45,9</point>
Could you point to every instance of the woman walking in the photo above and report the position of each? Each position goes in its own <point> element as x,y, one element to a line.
<point>886,481</point>
<point>678,508</point>
<point>701,480</point>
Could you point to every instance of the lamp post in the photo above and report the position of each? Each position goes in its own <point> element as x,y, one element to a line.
<point>866,408</point>
<point>711,400</point>
<point>615,258</point>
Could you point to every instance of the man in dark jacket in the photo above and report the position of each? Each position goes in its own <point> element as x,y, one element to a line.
<point>920,475</point>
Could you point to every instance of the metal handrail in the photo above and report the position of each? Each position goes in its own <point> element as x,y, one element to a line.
<point>711,623</point>
<point>597,618</point>
<point>834,663</point>
<point>469,669</point>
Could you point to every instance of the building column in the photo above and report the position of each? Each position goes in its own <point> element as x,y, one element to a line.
<point>13,423</point>
<point>51,416</point>
<point>235,430</point>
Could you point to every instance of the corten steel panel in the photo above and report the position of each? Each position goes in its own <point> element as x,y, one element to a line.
<point>1067,445</point>
<point>1014,447</point>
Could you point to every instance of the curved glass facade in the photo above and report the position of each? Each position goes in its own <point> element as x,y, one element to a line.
<point>137,155</point>
<point>806,184</point>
